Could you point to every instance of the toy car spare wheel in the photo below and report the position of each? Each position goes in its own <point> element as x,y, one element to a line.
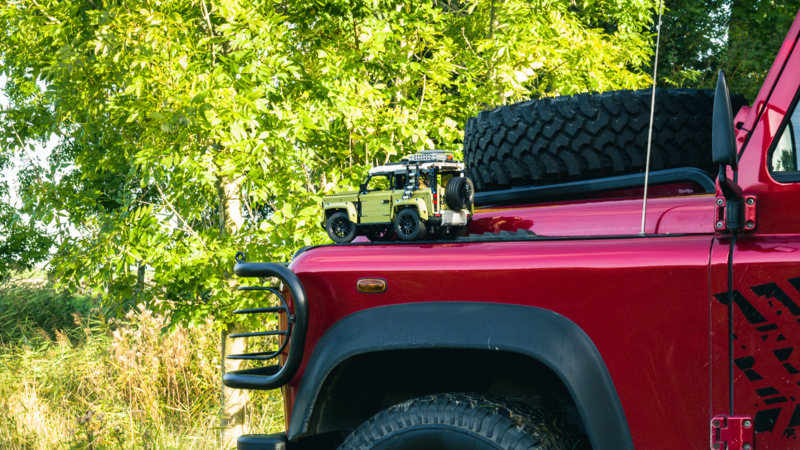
<point>409,226</point>
<point>458,422</point>
<point>459,193</point>
<point>340,228</point>
<point>553,140</point>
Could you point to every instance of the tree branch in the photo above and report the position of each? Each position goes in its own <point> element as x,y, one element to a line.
<point>27,153</point>
<point>174,211</point>
<point>422,98</point>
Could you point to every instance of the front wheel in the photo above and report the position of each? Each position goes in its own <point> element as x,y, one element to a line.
<point>458,422</point>
<point>340,228</point>
<point>409,226</point>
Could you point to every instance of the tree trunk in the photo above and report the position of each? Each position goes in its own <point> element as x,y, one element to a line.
<point>234,401</point>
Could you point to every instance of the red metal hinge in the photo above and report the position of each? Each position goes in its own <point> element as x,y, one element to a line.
<point>749,204</point>
<point>732,433</point>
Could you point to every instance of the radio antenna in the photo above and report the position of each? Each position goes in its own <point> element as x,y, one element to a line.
<point>652,113</point>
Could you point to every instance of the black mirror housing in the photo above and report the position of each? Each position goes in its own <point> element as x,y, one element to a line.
<point>723,140</point>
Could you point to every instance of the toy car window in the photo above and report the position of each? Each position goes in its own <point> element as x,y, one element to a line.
<point>379,183</point>
<point>399,181</point>
<point>783,162</point>
<point>444,178</point>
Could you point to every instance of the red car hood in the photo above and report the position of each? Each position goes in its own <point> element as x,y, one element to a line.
<point>692,214</point>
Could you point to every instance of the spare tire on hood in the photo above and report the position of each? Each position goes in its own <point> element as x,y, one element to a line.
<point>584,136</point>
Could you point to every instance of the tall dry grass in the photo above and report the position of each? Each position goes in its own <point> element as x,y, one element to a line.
<point>72,378</point>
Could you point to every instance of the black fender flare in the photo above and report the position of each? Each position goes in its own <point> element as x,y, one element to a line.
<point>542,334</point>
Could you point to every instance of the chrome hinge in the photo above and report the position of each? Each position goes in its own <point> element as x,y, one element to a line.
<point>736,215</point>
<point>732,433</point>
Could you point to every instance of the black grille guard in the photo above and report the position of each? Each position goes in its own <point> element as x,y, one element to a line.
<point>275,376</point>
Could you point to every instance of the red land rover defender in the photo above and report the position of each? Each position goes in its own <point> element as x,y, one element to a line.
<point>554,323</point>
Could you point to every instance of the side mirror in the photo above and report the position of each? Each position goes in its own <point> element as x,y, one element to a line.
<point>363,187</point>
<point>723,140</point>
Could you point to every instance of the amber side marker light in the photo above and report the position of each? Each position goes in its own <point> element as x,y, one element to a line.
<point>371,285</point>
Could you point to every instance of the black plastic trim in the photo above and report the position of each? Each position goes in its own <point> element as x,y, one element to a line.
<point>262,442</point>
<point>575,188</point>
<point>505,236</point>
<point>544,335</point>
<point>272,377</point>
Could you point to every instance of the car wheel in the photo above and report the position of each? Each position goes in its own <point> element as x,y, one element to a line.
<point>340,228</point>
<point>380,234</point>
<point>459,193</point>
<point>409,226</point>
<point>458,422</point>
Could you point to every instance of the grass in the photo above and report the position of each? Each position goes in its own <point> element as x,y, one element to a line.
<point>71,377</point>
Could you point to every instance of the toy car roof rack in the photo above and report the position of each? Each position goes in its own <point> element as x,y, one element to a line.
<point>578,188</point>
<point>430,156</point>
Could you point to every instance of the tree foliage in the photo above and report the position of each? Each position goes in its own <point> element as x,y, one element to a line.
<point>190,129</point>
<point>742,37</point>
<point>22,242</point>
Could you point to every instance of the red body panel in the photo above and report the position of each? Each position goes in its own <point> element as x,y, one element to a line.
<point>767,329</point>
<point>652,336</point>
<point>604,217</point>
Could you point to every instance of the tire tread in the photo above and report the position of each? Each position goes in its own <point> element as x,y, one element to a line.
<point>589,135</point>
<point>510,425</point>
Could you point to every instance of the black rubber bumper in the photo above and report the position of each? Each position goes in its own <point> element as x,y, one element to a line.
<point>262,442</point>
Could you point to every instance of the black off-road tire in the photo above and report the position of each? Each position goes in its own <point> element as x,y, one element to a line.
<point>340,228</point>
<point>458,422</point>
<point>584,136</point>
<point>409,226</point>
<point>459,193</point>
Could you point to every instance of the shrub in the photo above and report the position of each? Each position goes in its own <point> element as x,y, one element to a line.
<point>72,378</point>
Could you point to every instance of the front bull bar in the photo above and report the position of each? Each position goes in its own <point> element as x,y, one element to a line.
<point>294,336</point>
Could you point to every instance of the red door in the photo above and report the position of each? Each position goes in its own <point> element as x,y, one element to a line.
<point>765,312</point>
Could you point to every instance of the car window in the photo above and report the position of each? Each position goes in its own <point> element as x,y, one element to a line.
<point>378,183</point>
<point>783,161</point>
<point>399,181</point>
<point>445,177</point>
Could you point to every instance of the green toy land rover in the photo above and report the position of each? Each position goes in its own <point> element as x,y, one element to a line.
<point>427,192</point>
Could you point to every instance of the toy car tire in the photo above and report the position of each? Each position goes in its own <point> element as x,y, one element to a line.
<point>459,193</point>
<point>340,228</point>
<point>409,226</point>
<point>458,421</point>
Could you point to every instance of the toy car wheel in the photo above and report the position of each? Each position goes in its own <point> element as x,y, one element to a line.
<point>457,422</point>
<point>459,193</point>
<point>409,226</point>
<point>380,234</point>
<point>340,228</point>
<point>452,232</point>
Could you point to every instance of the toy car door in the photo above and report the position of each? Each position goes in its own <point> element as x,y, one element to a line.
<point>376,199</point>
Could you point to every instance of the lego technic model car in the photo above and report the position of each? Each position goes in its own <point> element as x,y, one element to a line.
<point>427,192</point>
